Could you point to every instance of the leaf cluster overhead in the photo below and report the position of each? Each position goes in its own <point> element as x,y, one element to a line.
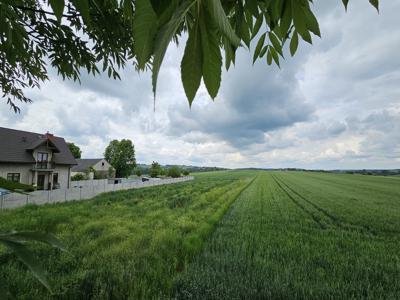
<point>108,35</point>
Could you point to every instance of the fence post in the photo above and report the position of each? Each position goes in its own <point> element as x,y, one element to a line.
<point>1,203</point>
<point>48,196</point>
<point>65,195</point>
<point>27,199</point>
<point>80,192</point>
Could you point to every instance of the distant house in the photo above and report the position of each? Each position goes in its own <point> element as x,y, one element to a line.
<point>94,167</point>
<point>42,160</point>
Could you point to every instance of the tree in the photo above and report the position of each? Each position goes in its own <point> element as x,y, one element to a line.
<point>75,150</point>
<point>185,172</point>
<point>138,172</point>
<point>174,172</point>
<point>155,169</point>
<point>111,172</point>
<point>121,155</point>
<point>76,35</point>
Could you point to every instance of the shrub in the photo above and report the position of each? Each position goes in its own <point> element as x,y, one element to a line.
<point>185,172</point>
<point>10,185</point>
<point>78,177</point>
<point>174,172</point>
<point>138,172</point>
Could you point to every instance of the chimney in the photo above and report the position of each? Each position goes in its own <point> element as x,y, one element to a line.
<point>49,135</point>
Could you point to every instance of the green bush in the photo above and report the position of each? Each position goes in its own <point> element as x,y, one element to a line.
<point>185,172</point>
<point>9,185</point>
<point>78,177</point>
<point>174,172</point>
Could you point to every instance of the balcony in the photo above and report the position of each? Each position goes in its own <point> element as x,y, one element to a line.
<point>43,166</point>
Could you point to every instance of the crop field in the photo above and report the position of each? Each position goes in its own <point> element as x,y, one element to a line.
<point>303,236</point>
<point>225,235</point>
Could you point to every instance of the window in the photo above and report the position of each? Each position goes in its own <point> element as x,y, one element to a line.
<point>14,177</point>
<point>41,160</point>
<point>55,178</point>
<point>102,164</point>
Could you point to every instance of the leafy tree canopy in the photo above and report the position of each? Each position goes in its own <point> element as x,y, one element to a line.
<point>174,172</point>
<point>155,169</point>
<point>106,35</point>
<point>121,155</point>
<point>75,150</point>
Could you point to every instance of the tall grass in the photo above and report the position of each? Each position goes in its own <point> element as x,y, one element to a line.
<point>126,244</point>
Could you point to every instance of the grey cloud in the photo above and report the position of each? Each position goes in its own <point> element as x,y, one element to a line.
<point>253,101</point>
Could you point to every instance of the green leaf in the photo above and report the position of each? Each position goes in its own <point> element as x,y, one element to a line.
<point>24,236</point>
<point>252,7</point>
<point>259,46</point>
<point>269,57</point>
<point>294,43</point>
<point>276,43</point>
<point>221,20</point>
<point>229,53</point>
<point>58,8</point>
<point>375,3</point>
<point>82,6</point>
<point>191,65</point>
<point>244,32</point>
<point>263,51</point>
<point>165,36</point>
<point>312,22</point>
<point>26,257</point>
<point>286,20</point>
<point>274,55</point>
<point>345,3</point>
<point>299,20</point>
<point>212,59</point>
<point>144,30</point>
<point>257,25</point>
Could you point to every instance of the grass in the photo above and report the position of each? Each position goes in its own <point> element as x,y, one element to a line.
<point>126,244</point>
<point>303,236</point>
<point>226,235</point>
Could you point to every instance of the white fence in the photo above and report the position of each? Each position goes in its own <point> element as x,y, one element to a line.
<point>80,190</point>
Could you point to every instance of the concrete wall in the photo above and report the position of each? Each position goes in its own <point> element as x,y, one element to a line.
<point>86,190</point>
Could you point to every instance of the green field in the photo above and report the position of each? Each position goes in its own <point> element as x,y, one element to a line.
<point>226,235</point>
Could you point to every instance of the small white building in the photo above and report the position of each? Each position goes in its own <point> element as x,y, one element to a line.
<point>41,160</point>
<point>93,167</point>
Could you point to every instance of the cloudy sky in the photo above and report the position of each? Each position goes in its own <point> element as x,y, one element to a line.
<point>336,104</point>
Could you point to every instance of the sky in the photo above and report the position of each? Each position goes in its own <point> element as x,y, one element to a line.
<point>335,105</point>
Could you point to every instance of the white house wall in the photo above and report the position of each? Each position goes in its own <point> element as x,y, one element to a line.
<point>99,167</point>
<point>26,175</point>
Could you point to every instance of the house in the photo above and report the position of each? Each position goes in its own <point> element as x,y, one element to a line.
<point>42,160</point>
<point>93,167</point>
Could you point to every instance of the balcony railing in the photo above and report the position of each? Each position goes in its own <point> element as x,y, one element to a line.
<point>43,165</point>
